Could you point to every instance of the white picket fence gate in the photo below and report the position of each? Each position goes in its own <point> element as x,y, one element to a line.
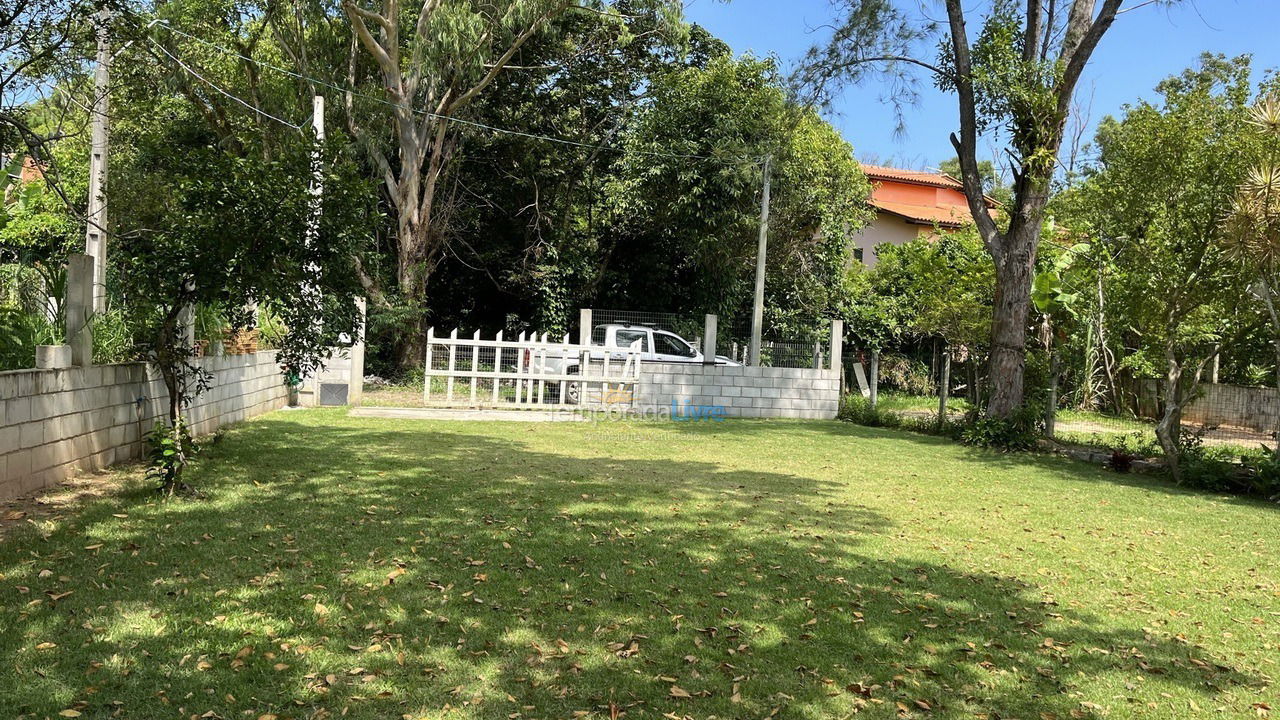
<point>528,372</point>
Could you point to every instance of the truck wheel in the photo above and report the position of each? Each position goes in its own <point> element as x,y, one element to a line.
<point>573,390</point>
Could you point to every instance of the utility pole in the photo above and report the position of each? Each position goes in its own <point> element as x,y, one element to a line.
<point>317,171</point>
<point>757,307</point>
<point>95,239</point>
<point>310,386</point>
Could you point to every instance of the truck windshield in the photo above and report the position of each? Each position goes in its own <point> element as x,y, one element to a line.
<point>671,345</point>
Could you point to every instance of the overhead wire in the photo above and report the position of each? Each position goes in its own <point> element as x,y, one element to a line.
<point>215,86</point>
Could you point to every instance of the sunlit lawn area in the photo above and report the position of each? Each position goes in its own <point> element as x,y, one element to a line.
<point>903,402</point>
<point>373,568</point>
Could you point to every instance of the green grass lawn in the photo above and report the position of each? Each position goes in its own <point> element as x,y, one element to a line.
<point>373,568</point>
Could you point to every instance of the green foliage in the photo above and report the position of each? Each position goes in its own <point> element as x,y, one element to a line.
<point>906,374</point>
<point>112,338</point>
<point>169,449</point>
<point>689,226</point>
<point>1264,473</point>
<point>210,325</point>
<point>1022,431</point>
<point>1016,95</point>
<point>20,333</point>
<point>1166,174</point>
<point>271,329</point>
<point>1059,289</point>
<point>36,224</point>
<point>930,287</point>
<point>857,409</point>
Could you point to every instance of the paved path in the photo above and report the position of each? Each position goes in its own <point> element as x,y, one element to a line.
<point>455,414</point>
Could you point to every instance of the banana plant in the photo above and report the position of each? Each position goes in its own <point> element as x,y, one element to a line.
<point>1056,294</point>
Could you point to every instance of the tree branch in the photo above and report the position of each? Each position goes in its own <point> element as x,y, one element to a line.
<point>967,143</point>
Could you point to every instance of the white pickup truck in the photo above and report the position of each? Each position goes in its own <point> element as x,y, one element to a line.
<point>616,339</point>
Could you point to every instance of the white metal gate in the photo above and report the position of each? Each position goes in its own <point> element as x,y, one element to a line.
<point>527,372</point>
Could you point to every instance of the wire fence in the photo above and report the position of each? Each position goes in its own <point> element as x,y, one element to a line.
<point>1228,418</point>
<point>688,326</point>
<point>779,347</point>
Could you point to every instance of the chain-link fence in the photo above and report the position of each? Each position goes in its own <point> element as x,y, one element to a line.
<point>806,347</point>
<point>1232,418</point>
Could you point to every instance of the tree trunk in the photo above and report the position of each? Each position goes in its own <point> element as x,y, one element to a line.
<point>168,359</point>
<point>1009,322</point>
<point>875,377</point>
<point>1170,424</point>
<point>944,386</point>
<point>1051,404</point>
<point>971,366</point>
<point>1269,300</point>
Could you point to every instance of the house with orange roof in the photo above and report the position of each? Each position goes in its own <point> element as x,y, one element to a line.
<point>910,204</point>
<point>19,173</point>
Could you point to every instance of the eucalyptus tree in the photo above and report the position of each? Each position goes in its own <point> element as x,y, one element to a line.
<point>432,63</point>
<point>1017,78</point>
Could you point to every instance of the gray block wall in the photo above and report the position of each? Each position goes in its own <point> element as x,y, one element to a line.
<point>58,422</point>
<point>749,392</point>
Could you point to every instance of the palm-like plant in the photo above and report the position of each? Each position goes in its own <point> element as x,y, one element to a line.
<point>1251,229</point>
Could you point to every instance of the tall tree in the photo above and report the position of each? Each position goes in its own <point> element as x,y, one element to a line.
<point>1016,77</point>
<point>432,65</point>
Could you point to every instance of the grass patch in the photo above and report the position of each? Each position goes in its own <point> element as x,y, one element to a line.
<point>901,402</point>
<point>385,569</point>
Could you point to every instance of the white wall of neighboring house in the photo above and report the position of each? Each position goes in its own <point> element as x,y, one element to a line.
<point>887,228</point>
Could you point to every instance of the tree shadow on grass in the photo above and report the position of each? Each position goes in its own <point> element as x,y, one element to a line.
<point>391,572</point>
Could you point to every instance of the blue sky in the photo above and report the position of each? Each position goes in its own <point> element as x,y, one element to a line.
<point>1143,47</point>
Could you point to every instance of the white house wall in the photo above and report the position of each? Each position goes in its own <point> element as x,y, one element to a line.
<point>889,229</point>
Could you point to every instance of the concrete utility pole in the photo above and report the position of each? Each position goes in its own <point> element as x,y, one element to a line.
<point>309,390</point>
<point>95,239</point>
<point>757,307</point>
<point>317,171</point>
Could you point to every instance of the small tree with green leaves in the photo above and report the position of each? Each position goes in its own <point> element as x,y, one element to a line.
<point>1166,176</point>
<point>215,229</point>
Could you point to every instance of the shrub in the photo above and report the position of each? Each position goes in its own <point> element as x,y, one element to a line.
<point>1264,471</point>
<point>112,340</point>
<point>1020,432</point>
<point>168,450</point>
<point>20,333</point>
<point>858,410</point>
<point>905,374</point>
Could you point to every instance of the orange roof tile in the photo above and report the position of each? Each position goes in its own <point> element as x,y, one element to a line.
<point>879,172</point>
<point>944,215</point>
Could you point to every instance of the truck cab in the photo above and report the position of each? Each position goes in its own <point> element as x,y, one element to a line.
<point>655,345</point>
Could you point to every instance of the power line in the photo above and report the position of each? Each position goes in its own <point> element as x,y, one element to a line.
<point>426,113</point>
<point>213,85</point>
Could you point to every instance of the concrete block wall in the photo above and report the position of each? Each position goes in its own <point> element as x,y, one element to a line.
<point>340,369</point>
<point>752,392</point>
<point>58,422</point>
